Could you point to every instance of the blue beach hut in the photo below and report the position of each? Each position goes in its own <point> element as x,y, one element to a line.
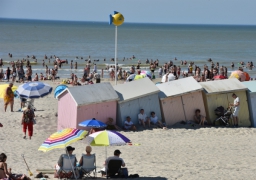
<point>251,97</point>
<point>59,89</point>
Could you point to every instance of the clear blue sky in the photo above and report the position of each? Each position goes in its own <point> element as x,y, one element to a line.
<point>145,11</point>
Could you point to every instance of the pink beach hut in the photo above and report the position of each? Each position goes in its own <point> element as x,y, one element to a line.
<point>76,104</point>
<point>179,99</point>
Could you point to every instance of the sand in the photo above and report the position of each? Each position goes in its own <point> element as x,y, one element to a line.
<point>181,152</point>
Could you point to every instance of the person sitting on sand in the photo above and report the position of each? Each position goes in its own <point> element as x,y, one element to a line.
<point>36,77</point>
<point>143,119</point>
<point>128,124</point>
<point>198,118</point>
<point>6,174</point>
<point>111,125</point>
<point>154,120</point>
<point>41,77</point>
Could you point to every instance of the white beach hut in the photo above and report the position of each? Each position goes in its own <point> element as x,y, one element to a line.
<point>136,95</point>
<point>179,99</point>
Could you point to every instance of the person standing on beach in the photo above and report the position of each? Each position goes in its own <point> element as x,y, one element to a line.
<point>27,121</point>
<point>236,106</point>
<point>53,74</point>
<point>8,73</point>
<point>29,73</point>
<point>8,97</point>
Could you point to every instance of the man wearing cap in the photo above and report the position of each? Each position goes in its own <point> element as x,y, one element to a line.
<point>115,157</point>
<point>69,151</point>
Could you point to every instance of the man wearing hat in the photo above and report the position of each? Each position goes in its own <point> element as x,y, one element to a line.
<point>69,151</point>
<point>115,157</point>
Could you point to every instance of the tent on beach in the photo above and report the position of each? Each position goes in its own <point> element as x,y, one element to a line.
<point>251,95</point>
<point>76,104</point>
<point>219,93</point>
<point>136,95</point>
<point>179,99</point>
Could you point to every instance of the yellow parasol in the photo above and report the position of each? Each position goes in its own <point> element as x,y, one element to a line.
<point>3,89</point>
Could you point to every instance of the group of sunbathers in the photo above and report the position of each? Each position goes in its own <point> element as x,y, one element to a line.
<point>144,120</point>
<point>78,170</point>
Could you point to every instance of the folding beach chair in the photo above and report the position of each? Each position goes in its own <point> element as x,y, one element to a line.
<point>89,165</point>
<point>114,167</point>
<point>66,171</point>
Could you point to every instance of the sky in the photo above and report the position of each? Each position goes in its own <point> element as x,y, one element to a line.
<point>238,12</point>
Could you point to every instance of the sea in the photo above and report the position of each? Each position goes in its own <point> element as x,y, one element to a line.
<point>80,41</point>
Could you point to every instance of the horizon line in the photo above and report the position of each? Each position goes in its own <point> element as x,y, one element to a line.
<point>30,19</point>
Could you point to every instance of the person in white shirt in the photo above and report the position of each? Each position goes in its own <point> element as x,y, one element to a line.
<point>128,124</point>
<point>143,119</point>
<point>154,120</point>
<point>236,106</point>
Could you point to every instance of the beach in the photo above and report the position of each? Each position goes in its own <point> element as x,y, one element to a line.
<point>180,152</point>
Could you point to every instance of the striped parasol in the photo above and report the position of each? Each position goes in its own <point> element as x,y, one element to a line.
<point>34,90</point>
<point>107,138</point>
<point>62,138</point>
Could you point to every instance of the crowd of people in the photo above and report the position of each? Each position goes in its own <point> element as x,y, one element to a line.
<point>91,74</point>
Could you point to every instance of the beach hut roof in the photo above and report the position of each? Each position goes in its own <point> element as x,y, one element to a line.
<point>92,94</point>
<point>179,87</point>
<point>135,89</point>
<point>251,85</point>
<point>226,85</point>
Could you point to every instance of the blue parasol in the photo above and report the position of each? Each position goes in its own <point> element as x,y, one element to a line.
<point>92,123</point>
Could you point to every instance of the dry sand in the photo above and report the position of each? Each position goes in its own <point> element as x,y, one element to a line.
<point>181,152</point>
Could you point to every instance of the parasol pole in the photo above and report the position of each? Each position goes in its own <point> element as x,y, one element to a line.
<point>115,55</point>
<point>71,163</point>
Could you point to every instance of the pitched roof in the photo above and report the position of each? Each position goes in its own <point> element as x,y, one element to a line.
<point>135,89</point>
<point>226,85</point>
<point>179,87</point>
<point>92,94</point>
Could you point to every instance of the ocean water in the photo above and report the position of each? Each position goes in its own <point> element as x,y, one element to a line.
<point>68,40</point>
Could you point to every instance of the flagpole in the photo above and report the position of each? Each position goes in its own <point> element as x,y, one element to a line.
<point>115,56</point>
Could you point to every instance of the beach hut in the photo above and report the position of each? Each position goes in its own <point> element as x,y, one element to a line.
<point>136,95</point>
<point>251,95</point>
<point>179,99</point>
<point>219,93</point>
<point>76,104</point>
